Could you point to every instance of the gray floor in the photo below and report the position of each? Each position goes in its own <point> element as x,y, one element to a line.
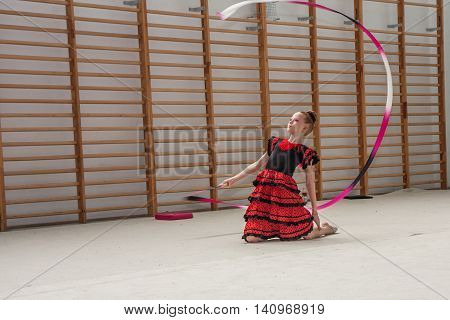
<point>394,246</point>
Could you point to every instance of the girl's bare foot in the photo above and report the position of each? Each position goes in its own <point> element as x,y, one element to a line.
<point>330,229</point>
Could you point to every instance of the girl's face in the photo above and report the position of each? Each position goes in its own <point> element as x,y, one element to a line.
<point>297,125</point>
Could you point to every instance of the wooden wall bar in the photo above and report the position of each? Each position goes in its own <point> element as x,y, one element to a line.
<point>94,134</point>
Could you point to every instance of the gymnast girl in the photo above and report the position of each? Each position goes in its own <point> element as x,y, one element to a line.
<point>276,207</point>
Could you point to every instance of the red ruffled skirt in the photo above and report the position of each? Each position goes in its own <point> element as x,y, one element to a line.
<point>276,208</point>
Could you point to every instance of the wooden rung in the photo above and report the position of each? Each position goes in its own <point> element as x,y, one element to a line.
<point>288,35</point>
<point>36,115</point>
<point>133,102</point>
<point>234,55</point>
<point>413,64</point>
<point>178,90</point>
<point>338,179</point>
<point>176,65</point>
<point>339,147</point>
<point>35,29</point>
<point>38,172</point>
<point>112,115</point>
<point>419,44</point>
<point>36,101</point>
<point>40,200</point>
<point>42,214</point>
<point>107,61</point>
<point>325,82</point>
<point>277,46</point>
<point>416,34</point>
<point>177,52</point>
<point>387,165</point>
<point>234,43</point>
<point>425,143</point>
<point>178,103</point>
<point>236,79</point>
<point>290,70</point>
<point>339,189</point>
<point>339,168</point>
<point>106,34</point>
<point>113,155</point>
<point>341,157</point>
<point>237,91</point>
<point>164,77</point>
<point>39,158</point>
<point>92,47</point>
<point>222,67</point>
<point>288,58</point>
<point>102,209</point>
<point>389,175</point>
<point>118,181</point>
<point>326,38</point>
<point>108,21</point>
<point>96,142</point>
<point>175,39</point>
<point>425,173</point>
<point>112,128</point>
<point>35,72</point>
<point>289,81</point>
<point>430,5</point>
<point>114,168</point>
<point>108,75</point>
<point>104,7</point>
<point>42,186</point>
<point>251,20</point>
<point>173,26</point>
<point>427,153</point>
<point>33,86</point>
<point>101,88</point>
<point>33,14</point>
<point>419,183</point>
<point>220,30</point>
<point>387,185</point>
<point>336,61</point>
<point>116,195</point>
<point>336,28</point>
<point>423,163</point>
<point>47,129</point>
<point>424,133</point>
<point>289,92</point>
<point>288,23</point>
<point>37,143</point>
<point>176,14</point>
<point>38,58</point>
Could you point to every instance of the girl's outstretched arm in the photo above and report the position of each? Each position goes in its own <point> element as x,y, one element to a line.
<point>254,167</point>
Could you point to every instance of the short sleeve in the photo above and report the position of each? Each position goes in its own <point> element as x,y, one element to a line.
<point>270,144</point>
<point>310,158</point>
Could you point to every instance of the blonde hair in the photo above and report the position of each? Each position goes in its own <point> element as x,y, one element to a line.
<point>311,118</point>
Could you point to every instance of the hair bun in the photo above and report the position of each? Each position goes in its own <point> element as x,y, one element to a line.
<point>312,115</point>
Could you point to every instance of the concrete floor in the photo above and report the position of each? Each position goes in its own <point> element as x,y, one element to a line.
<point>393,246</point>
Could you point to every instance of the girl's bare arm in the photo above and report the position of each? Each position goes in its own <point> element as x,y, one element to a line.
<point>311,185</point>
<point>254,167</point>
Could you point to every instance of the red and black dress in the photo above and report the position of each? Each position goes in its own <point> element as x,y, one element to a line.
<point>276,208</point>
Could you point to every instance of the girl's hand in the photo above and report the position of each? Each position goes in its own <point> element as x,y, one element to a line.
<point>316,218</point>
<point>227,183</point>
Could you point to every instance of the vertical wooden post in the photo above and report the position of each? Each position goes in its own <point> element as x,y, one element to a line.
<point>361,95</point>
<point>264,73</point>
<point>403,92</point>
<point>76,110</point>
<point>315,93</point>
<point>3,216</point>
<point>441,90</point>
<point>147,109</point>
<point>209,101</point>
